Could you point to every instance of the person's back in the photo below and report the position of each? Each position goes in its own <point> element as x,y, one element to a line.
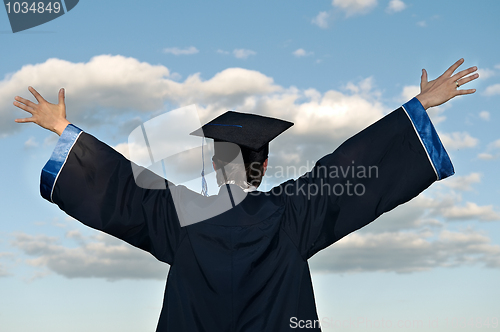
<point>238,271</point>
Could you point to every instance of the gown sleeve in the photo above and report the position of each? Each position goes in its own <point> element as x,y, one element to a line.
<point>383,166</point>
<point>95,184</point>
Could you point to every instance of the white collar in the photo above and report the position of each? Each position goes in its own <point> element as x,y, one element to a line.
<point>247,187</point>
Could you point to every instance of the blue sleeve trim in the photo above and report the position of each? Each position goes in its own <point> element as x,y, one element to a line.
<point>436,153</point>
<point>53,167</point>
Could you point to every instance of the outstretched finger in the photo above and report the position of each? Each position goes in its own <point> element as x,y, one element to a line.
<point>35,93</point>
<point>466,91</point>
<point>27,102</point>
<point>467,79</point>
<point>453,67</point>
<point>423,79</point>
<point>25,120</point>
<point>24,107</point>
<point>61,96</point>
<point>463,73</point>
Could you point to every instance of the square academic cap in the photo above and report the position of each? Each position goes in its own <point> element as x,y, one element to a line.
<point>251,132</point>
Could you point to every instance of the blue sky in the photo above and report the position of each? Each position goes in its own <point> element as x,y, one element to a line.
<point>332,67</point>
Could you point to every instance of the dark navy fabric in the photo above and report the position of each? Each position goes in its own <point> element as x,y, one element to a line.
<point>246,269</point>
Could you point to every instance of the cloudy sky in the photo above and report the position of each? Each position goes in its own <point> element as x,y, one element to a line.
<point>332,68</point>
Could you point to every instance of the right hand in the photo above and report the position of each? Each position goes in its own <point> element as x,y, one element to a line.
<point>46,115</point>
<point>444,88</point>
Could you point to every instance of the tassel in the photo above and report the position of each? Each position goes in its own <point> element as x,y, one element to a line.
<point>204,186</point>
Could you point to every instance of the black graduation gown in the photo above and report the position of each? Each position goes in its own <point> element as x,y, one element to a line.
<point>246,269</point>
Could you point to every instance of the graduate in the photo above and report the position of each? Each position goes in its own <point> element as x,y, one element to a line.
<point>246,268</point>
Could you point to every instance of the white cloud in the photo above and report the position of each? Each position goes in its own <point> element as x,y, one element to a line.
<point>322,121</point>
<point>175,76</point>
<point>301,53</point>
<point>463,183</point>
<point>492,90</point>
<point>3,270</point>
<point>241,53</point>
<point>404,240</point>
<point>412,216</point>
<point>424,212</point>
<point>140,151</point>
<point>99,256</point>
<point>486,156</point>
<point>229,88</point>
<point>31,143</point>
<point>485,115</point>
<point>451,207</point>
<point>405,252</point>
<point>321,20</point>
<point>491,152</point>
<point>395,6</point>
<point>181,51</point>
<point>458,140</point>
<point>422,24</point>
<point>494,144</point>
<point>353,7</point>
<point>114,83</point>
<point>471,211</point>
<point>107,86</point>
<point>409,91</point>
<point>178,168</point>
<point>364,87</point>
<point>485,73</point>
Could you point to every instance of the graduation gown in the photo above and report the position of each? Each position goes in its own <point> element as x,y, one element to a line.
<point>246,269</point>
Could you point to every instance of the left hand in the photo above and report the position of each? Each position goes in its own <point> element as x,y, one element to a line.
<point>445,87</point>
<point>46,115</point>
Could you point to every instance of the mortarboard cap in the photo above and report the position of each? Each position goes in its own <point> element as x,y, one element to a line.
<point>252,133</point>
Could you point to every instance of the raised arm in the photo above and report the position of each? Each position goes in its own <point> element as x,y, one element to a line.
<point>96,185</point>
<point>383,166</point>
